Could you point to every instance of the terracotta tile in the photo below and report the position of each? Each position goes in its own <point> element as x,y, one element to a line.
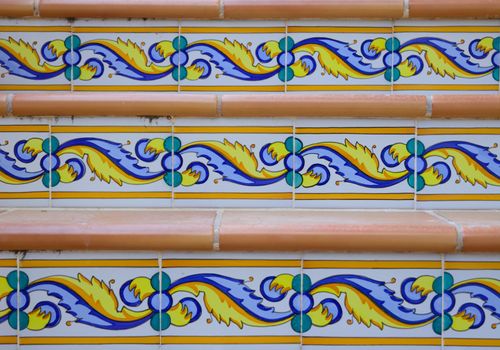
<point>208,9</point>
<point>466,106</point>
<point>238,9</point>
<point>3,104</point>
<point>113,230</point>
<point>323,105</point>
<point>17,8</point>
<point>481,229</point>
<point>454,9</point>
<point>121,104</point>
<point>335,230</point>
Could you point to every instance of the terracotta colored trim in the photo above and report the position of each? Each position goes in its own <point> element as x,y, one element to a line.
<point>335,230</point>
<point>466,106</point>
<point>16,8</point>
<point>265,9</point>
<point>480,230</point>
<point>454,9</point>
<point>3,104</point>
<point>196,9</point>
<point>119,104</point>
<point>106,230</point>
<point>323,105</point>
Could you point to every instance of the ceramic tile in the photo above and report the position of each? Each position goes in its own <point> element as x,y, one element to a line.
<point>8,301</point>
<point>371,298</point>
<point>354,163</point>
<point>233,347</point>
<point>232,56</point>
<point>472,294</point>
<point>91,347</point>
<point>35,55</point>
<point>447,56</point>
<point>339,56</point>
<point>221,163</point>
<point>458,164</point>
<point>232,299</point>
<point>366,347</point>
<point>135,55</point>
<point>91,298</point>
<point>24,162</point>
<point>111,162</point>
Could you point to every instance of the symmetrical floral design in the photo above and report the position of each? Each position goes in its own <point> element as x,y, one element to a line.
<point>240,164</point>
<point>285,58</point>
<point>94,303</point>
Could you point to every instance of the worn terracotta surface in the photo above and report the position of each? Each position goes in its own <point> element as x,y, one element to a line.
<point>238,9</point>
<point>481,229</point>
<point>335,230</point>
<point>106,230</point>
<point>454,9</point>
<point>3,104</point>
<point>16,8</point>
<point>466,106</point>
<point>201,9</point>
<point>323,105</point>
<point>119,104</point>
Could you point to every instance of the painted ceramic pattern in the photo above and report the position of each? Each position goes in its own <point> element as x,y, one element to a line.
<point>197,298</point>
<point>263,58</point>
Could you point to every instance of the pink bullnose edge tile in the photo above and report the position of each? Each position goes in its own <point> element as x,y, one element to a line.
<point>481,229</point>
<point>107,230</point>
<point>335,230</point>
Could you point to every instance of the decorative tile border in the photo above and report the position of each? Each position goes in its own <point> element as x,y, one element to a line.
<point>250,56</point>
<point>225,162</point>
<point>203,299</point>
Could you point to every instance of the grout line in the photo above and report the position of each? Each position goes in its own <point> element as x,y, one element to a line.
<point>217,224</point>
<point>442,302</point>
<point>415,203</point>
<point>10,107</point>
<point>72,81</point>
<point>218,107</point>
<point>459,229</point>
<point>286,57</point>
<point>301,295</point>
<point>392,57</point>
<point>50,163</point>
<point>221,9</point>
<point>178,57</point>
<point>172,187</point>
<point>160,263</point>
<point>293,162</point>
<point>428,106</point>
<point>406,8</point>
<point>36,8</point>
<point>18,295</point>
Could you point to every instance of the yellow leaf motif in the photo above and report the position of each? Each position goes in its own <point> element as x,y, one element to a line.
<point>179,315</point>
<point>98,296</point>
<point>239,54</point>
<point>320,316</point>
<point>466,167</point>
<point>240,156</point>
<point>27,55</point>
<point>132,54</point>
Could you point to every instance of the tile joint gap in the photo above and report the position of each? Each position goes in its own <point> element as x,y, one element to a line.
<point>10,108</point>
<point>221,9</point>
<point>217,224</point>
<point>36,8</point>
<point>218,111</point>
<point>406,8</point>
<point>458,228</point>
<point>428,106</point>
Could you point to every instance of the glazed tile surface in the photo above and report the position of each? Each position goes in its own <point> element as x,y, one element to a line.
<point>141,162</point>
<point>261,56</point>
<point>318,300</point>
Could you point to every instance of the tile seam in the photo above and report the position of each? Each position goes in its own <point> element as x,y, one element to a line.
<point>442,304</point>
<point>36,8</point>
<point>218,111</point>
<point>160,282</point>
<point>216,229</point>
<point>221,9</point>
<point>18,287</point>
<point>10,105</point>
<point>458,229</point>
<point>428,106</point>
<point>406,9</point>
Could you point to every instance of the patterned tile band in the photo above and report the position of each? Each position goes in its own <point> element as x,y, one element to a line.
<point>240,164</point>
<point>90,301</point>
